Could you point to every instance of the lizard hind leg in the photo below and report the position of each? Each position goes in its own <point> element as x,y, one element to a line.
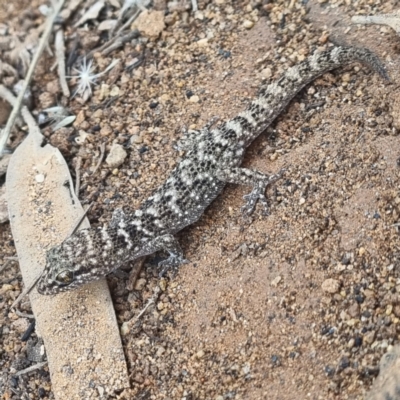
<point>176,256</point>
<point>167,243</point>
<point>256,179</point>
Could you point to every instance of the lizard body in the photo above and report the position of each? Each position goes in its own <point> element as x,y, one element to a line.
<point>213,158</point>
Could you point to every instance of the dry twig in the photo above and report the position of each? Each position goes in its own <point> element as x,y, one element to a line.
<point>24,315</point>
<point>32,368</point>
<point>26,291</point>
<point>134,274</point>
<point>101,158</point>
<point>78,175</point>
<point>78,223</point>
<point>60,56</point>
<point>128,22</point>
<point>151,301</point>
<point>5,265</point>
<point>26,115</point>
<point>43,41</point>
<point>114,43</point>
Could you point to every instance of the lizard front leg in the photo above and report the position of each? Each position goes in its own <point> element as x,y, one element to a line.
<point>168,243</point>
<point>258,180</point>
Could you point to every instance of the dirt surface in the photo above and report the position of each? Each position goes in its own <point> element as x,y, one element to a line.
<point>300,304</point>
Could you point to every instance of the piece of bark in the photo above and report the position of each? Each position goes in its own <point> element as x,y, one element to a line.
<point>79,328</point>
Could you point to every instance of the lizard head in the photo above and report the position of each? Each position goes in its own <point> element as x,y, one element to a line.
<point>71,264</point>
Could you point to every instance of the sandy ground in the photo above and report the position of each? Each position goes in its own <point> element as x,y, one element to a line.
<point>300,304</point>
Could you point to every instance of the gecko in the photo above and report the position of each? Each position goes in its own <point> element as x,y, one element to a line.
<point>212,159</point>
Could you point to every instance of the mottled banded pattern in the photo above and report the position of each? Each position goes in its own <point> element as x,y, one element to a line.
<point>212,159</point>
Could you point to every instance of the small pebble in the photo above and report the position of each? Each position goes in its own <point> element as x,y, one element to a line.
<point>194,99</point>
<point>39,178</point>
<point>140,284</point>
<point>330,286</point>
<point>116,156</point>
<point>248,24</point>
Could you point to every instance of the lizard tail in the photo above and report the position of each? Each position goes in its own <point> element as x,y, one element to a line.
<point>273,98</point>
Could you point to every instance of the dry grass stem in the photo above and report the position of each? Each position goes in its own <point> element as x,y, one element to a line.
<point>114,43</point>
<point>151,301</point>
<point>128,22</point>
<point>26,291</point>
<point>78,175</point>
<point>26,115</point>
<point>101,158</point>
<point>16,108</point>
<point>60,55</point>
<point>32,368</point>
<point>78,223</point>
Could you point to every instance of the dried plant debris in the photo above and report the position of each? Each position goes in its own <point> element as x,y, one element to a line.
<point>130,10</point>
<point>392,20</point>
<point>91,13</point>
<point>58,117</point>
<point>3,205</point>
<point>6,70</point>
<point>86,77</point>
<point>60,55</point>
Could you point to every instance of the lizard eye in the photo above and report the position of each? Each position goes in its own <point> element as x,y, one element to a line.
<point>65,277</point>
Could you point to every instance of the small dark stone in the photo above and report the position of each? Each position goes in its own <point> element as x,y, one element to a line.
<point>96,128</point>
<point>366,314</point>
<point>376,215</point>
<point>358,341</point>
<point>27,334</point>
<point>41,392</point>
<point>330,371</point>
<point>153,104</point>
<point>305,129</point>
<point>359,299</point>
<point>275,360</point>
<point>325,330</point>
<point>189,94</point>
<point>344,363</point>
<point>14,381</point>
<point>143,149</point>
<point>224,53</point>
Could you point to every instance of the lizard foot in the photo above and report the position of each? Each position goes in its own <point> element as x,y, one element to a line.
<point>258,194</point>
<point>171,264</point>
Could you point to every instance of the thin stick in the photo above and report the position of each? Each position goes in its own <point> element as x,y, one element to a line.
<point>119,42</point>
<point>102,151</point>
<point>60,56</point>
<point>151,301</point>
<point>133,276</point>
<point>129,22</point>
<point>78,175</point>
<point>113,43</point>
<point>24,315</point>
<point>5,265</point>
<point>194,6</point>
<point>78,223</point>
<point>26,115</point>
<point>43,41</point>
<point>32,368</point>
<point>26,291</point>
